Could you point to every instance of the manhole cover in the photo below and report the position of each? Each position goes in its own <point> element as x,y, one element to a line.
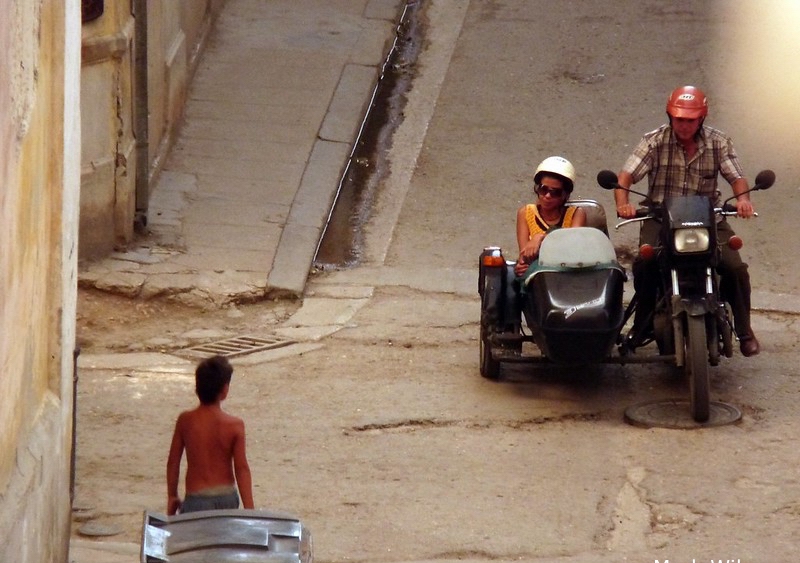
<point>676,413</point>
<point>236,346</point>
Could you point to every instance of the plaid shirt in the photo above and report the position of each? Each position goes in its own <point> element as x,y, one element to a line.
<point>661,158</point>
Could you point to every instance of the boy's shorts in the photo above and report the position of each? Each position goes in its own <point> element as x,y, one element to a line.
<point>214,498</point>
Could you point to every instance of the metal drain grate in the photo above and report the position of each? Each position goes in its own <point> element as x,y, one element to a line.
<point>236,346</point>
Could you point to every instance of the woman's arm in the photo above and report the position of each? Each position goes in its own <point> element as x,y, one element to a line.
<point>523,233</point>
<point>579,218</point>
<point>528,246</point>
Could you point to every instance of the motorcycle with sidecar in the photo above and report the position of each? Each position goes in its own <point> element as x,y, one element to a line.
<point>571,305</point>
<point>572,302</point>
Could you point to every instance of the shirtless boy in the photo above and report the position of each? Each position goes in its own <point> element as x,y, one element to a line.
<point>215,448</point>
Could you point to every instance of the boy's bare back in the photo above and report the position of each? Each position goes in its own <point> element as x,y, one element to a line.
<point>214,442</point>
<point>210,437</point>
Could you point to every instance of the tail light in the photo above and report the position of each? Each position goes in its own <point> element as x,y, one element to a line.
<point>735,242</point>
<point>493,261</point>
<point>647,252</point>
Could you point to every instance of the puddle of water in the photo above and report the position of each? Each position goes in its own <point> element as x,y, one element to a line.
<point>342,242</point>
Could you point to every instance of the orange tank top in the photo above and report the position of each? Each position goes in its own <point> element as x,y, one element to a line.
<point>538,225</point>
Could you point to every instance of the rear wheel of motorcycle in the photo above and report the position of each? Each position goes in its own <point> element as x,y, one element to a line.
<point>490,368</point>
<point>696,367</point>
<point>726,332</point>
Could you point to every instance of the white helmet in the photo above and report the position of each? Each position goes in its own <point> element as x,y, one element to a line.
<point>559,166</point>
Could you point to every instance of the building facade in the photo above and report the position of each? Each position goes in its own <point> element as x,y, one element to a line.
<point>91,96</point>
<point>39,202</point>
<point>138,59</point>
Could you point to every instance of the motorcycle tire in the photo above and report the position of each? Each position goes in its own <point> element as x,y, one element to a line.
<point>696,368</point>
<point>726,331</point>
<point>490,368</point>
<point>662,326</point>
<point>713,342</point>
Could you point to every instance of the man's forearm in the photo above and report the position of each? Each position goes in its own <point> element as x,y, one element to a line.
<point>739,188</point>
<point>625,180</point>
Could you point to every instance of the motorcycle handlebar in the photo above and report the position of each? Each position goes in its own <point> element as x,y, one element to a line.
<point>608,180</point>
<point>729,210</point>
<point>644,213</point>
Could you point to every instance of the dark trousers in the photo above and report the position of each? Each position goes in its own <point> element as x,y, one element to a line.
<point>734,278</point>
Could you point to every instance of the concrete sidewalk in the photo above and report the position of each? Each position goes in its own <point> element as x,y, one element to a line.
<point>270,121</point>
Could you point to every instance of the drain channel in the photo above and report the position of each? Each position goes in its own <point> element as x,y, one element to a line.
<point>236,346</point>
<point>342,239</point>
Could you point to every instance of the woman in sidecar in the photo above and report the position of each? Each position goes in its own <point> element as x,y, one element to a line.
<point>567,287</point>
<point>553,183</point>
<point>571,290</point>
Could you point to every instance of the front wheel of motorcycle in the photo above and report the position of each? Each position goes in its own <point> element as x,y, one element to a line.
<point>696,367</point>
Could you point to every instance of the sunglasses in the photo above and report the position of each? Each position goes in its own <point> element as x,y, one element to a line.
<point>542,190</point>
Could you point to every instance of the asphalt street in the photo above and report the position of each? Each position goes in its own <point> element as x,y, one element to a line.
<point>499,87</point>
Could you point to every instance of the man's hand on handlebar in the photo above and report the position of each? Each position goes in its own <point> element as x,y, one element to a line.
<point>626,211</point>
<point>744,208</point>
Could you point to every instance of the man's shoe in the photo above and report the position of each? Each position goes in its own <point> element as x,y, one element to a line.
<point>749,345</point>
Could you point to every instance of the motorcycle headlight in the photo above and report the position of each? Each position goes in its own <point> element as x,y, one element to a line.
<point>691,240</point>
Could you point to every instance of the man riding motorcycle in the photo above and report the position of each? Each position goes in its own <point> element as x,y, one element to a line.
<point>683,157</point>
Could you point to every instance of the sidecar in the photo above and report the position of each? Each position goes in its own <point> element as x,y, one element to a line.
<point>570,305</point>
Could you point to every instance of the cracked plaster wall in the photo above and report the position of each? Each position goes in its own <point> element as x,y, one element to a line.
<point>39,185</point>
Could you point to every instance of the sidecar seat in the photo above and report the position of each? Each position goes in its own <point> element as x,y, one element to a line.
<point>595,213</point>
<point>574,297</point>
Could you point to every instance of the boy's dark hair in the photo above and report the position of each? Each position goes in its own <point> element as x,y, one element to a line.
<point>210,377</point>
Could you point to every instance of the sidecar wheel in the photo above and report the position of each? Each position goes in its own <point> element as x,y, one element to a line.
<point>490,368</point>
<point>696,367</point>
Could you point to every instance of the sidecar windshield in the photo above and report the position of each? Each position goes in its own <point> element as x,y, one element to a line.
<point>576,247</point>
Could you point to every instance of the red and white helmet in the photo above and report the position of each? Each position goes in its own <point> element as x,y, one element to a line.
<point>558,166</point>
<point>687,102</point>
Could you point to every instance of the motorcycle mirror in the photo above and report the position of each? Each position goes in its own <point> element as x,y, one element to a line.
<point>764,180</point>
<point>607,180</point>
